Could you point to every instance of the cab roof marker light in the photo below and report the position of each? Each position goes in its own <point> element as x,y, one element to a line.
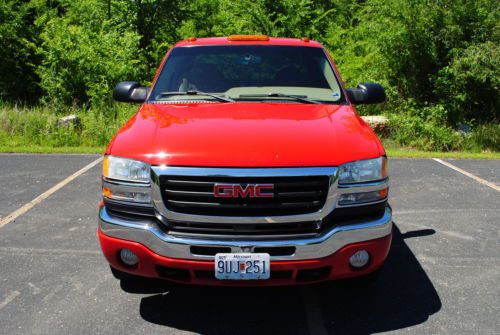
<point>191,39</point>
<point>233,38</point>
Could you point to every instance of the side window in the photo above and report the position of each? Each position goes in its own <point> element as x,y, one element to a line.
<point>327,71</point>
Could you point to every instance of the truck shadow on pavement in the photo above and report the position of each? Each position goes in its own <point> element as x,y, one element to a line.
<point>402,296</point>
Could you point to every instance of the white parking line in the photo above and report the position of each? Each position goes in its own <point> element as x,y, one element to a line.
<point>314,316</point>
<point>445,210</point>
<point>468,174</point>
<point>20,211</point>
<point>9,298</point>
<point>47,252</point>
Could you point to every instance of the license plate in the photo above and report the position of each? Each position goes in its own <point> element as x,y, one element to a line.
<point>242,266</point>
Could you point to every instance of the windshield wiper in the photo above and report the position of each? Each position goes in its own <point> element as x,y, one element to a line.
<point>195,92</point>
<point>302,98</point>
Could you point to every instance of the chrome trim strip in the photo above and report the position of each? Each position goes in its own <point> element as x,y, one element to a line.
<point>131,205</point>
<point>243,172</point>
<point>151,235</point>
<point>359,204</point>
<point>126,182</point>
<point>373,183</point>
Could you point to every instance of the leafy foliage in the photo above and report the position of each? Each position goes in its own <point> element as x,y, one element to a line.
<point>18,40</point>
<point>84,54</point>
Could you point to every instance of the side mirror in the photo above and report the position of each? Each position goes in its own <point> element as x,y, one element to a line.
<point>130,91</point>
<point>366,93</point>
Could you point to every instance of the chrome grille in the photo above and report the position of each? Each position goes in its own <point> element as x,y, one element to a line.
<point>292,195</point>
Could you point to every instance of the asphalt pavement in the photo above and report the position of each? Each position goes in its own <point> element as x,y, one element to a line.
<point>441,276</point>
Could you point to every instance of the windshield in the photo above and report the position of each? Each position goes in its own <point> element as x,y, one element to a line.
<point>248,73</point>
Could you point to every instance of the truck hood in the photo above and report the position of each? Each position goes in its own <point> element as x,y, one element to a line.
<point>245,135</point>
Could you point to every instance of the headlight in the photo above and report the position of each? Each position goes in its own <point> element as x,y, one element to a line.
<point>124,169</point>
<point>126,180</point>
<point>363,171</point>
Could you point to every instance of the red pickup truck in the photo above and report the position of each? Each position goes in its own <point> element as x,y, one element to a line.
<point>246,164</point>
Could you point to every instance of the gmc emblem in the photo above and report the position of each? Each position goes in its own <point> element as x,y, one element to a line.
<point>239,191</point>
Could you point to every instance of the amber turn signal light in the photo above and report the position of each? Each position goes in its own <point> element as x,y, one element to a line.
<point>106,192</point>
<point>383,193</point>
<point>234,38</point>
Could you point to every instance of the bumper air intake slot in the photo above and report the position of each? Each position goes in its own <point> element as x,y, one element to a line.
<point>173,273</point>
<point>209,251</point>
<point>310,275</point>
<point>275,251</point>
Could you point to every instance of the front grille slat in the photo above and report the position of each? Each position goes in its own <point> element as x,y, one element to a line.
<point>191,204</point>
<point>298,194</point>
<point>292,195</point>
<point>244,205</point>
<point>189,193</point>
<point>312,183</point>
<point>189,182</point>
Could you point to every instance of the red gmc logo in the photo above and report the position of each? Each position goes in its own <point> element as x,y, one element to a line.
<point>238,191</point>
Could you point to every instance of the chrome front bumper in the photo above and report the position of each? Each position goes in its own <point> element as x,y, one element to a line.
<point>148,233</point>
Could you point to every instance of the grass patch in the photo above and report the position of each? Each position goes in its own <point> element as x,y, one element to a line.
<point>36,130</point>
<point>392,152</point>
<point>409,153</point>
<point>26,129</point>
<point>428,134</point>
<point>34,149</point>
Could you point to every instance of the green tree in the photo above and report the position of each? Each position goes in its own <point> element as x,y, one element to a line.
<point>18,38</point>
<point>84,54</point>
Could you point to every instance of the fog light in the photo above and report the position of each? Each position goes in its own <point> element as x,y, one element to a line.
<point>359,259</point>
<point>128,257</point>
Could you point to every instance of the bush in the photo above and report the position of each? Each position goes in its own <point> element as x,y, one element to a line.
<point>427,134</point>
<point>18,37</point>
<point>415,132</point>
<point>485,137</point>
<point>469,86</point>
